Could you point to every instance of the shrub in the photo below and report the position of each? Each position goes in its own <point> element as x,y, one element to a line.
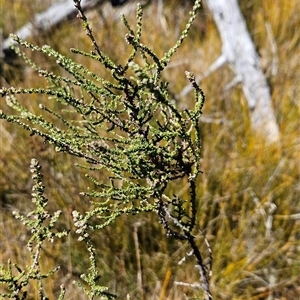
<point>127,129</point>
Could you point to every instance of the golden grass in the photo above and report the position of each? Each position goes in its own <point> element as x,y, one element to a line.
<point>245,181</point>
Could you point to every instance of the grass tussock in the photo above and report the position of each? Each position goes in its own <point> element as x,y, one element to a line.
<point>249,190</point>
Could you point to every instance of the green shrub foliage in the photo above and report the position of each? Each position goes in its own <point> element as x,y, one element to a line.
<point>41,225</point>
<point>128,127</point>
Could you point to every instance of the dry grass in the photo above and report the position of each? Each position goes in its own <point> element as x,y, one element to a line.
<point>249,191</point>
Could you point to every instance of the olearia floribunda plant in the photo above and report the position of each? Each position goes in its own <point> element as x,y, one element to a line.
<point>128,127</point>
<point>41,225</point>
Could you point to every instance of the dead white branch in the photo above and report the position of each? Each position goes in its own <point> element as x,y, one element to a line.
<point>46,20</point>
<point>239,51</point>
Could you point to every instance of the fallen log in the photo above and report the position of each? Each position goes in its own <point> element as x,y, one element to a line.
<point>239,51</point>
<point>53,16</point>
